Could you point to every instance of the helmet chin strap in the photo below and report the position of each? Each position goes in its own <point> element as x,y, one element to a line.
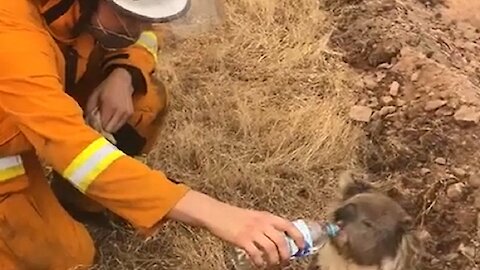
<point>106,31</point>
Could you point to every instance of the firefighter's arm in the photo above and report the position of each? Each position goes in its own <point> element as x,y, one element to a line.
<point>139,59</point>
<point>32,95</point>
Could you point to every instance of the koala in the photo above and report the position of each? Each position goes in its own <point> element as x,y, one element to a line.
<point>376,232</point>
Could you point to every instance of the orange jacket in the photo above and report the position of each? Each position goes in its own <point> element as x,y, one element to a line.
<point>37,114</point>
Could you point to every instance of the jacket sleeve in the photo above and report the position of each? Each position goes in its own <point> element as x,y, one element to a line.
<point>32,95</point>
<point>139,59</point>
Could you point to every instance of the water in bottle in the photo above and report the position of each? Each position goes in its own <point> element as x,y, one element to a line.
<point>314,233</point>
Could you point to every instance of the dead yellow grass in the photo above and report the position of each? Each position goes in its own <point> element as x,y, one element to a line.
<point>257,118</point>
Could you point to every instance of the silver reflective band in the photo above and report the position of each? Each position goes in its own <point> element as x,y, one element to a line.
<point>11,167</point>
<point>91,162</point>
<point>149,41</point>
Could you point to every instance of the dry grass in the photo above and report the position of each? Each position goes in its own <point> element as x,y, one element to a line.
<point>257,119</point>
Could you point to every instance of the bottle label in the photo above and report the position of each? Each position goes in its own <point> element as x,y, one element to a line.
<point>295,252</point>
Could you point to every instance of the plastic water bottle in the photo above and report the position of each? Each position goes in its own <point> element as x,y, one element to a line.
<point>315,234</point>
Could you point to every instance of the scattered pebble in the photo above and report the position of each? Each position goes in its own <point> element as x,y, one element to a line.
<point>444,111</point>
<point>478,225</point>
<point>415,76</point>
<point>363,102</point>
<point>467,114</point>
<point>370,82</point>
<point>459,172</point>
<point>394,88</point>
<point>434,104</point>
<point>387,100</point>
<point>360,113</point>
<point>476,201</point>
<point>387,110</point>
<point>474,181</point>
<point>468,251</point>
<point>373,102</point>
<point>375,115</point>
<point>450,257</point>
<point>424,235</point>
<point>455,191</point>
<point>425,171</point>
<point>441,161</point>
<point>401,102</point>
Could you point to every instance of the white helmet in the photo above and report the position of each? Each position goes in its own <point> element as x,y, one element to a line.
<point>154,10</point>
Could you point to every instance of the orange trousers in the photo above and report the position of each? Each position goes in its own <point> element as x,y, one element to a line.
<point>36,232</point>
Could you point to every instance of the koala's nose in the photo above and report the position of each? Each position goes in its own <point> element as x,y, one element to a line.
<point>346,214</point>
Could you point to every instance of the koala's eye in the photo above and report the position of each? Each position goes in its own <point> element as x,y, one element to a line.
<point>347,213</point>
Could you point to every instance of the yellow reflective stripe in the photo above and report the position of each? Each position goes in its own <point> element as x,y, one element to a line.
<point>101,166</point>
<point>91,162</point>
<point>149,41</point>
<point>11,167</point>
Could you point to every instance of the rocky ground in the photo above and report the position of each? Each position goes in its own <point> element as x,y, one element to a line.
<point>418,100</point>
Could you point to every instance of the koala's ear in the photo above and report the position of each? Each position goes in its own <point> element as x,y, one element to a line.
<point>349,186</point>
<point>406,223</point>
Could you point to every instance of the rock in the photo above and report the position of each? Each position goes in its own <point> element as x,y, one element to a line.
<point>444,111</point>
<point>434,104</point>
<point>387,110</point>
<point>376,127</point>
<point>380,75</point>
<point>455,191</point>
<point>394,88</point>
<point>459,172</point>
<point>370,82</point>
<point>467,115</point>
<point>360,113</point>
<point>454,103</point>
<point>468,251</point>
<point>375,115</point>
<point>478,225</point>
<point>474,180</point>
<point>401,102</point>
<point>387,100</point>
<point>476,200</point>
<point>424,235</point>
<point>385,66</point>
<point>441,161</point>
<point>445,95</point>
<point>450,176</point>
<point>383,53</point>
<point>415,76</point>
<point>450,257</point>
<point>373,102</point>
<point>435,261</point>
<point>363,102</point>
<point>424,171</point>
<point>359,84</point>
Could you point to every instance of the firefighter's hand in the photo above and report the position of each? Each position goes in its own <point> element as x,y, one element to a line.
<point>113,97</point>
<point>260,234</point>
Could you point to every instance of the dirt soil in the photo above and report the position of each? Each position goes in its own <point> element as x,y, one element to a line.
<point>270,106</point>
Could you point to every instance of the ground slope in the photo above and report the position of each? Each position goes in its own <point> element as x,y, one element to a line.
<point>419,101</point>
<point>267,109</point>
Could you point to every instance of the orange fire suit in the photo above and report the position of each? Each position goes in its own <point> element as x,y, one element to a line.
<point>44,54</point>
